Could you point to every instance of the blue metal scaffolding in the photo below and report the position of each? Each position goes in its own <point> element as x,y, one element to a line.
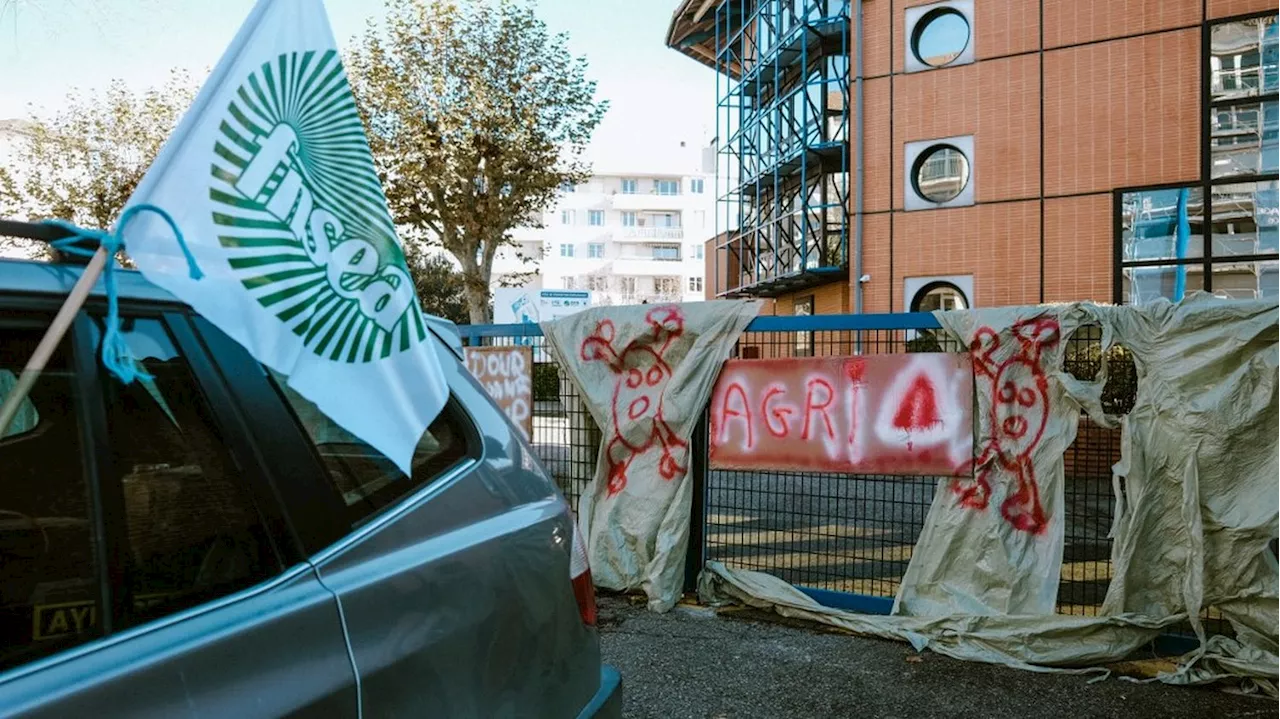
<point>783,127</point>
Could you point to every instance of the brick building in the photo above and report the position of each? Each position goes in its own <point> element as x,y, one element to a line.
<point>1012,151</point>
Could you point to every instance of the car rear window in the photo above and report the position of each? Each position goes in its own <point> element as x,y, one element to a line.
<point>364,478</point>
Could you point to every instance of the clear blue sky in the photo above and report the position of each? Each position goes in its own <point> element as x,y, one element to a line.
<point>48,47</point>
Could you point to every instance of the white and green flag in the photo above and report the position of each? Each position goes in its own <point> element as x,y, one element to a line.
<point>270,178</point>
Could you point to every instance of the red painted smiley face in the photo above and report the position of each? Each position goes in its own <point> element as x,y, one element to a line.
<point>1020,408</point>
<point>641,389</point>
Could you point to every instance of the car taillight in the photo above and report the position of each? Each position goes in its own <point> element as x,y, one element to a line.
<point>584,591</point>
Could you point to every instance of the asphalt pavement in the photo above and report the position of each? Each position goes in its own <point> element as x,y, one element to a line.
<point>696,663</point>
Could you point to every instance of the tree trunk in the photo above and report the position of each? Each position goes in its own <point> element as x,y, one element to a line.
<point>478,303</point>
<point>477,291</point>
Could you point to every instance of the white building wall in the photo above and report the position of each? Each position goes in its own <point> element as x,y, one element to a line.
<point>628,237</point>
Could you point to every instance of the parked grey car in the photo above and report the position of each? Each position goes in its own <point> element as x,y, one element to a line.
<point>204,543</point>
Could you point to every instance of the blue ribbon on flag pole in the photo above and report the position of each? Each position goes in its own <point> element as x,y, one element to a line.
<point>116,355</point>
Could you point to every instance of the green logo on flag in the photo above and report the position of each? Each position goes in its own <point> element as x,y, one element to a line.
<point>300,211</point>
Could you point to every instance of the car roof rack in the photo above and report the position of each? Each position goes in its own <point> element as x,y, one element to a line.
<point>47,233</point>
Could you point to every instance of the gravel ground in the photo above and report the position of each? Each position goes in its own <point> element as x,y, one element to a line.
<point>695,663</point>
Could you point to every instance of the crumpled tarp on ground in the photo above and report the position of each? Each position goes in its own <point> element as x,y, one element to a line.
<point>645,372</point>
<point>1196,498</point>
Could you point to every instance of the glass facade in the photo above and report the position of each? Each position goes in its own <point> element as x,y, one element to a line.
<point>783,119</point>
<point>1163,248</point>
<point>1172,242</point>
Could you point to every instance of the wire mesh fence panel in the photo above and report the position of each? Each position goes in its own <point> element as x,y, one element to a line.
<point>855,532</point>
<point>852,533</point>
<point>1087,490</point>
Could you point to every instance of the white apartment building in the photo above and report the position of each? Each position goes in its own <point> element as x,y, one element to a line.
<point>626,237</point>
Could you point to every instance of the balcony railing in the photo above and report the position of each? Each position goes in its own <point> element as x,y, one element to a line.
<point>649,297</point>
<point>648,201</point>
<point>653,233</point>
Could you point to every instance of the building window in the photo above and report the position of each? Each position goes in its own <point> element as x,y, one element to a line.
<point>1163,252</point>
<point>595,250</point>
<point>697,186</point>
<point>698,251</point>
<point>1243,59</point>
<point>939,296</point>
<point>940,173</point>
<point>670,253</point>
<point>803,339</point>
<point>566,217</point>
<point>695,284</point>
<point>1221,235</point>
<point>595,218</point>
<point>566,250</point>
<point>1162,243</point>
<point>570,283</point>
<point>627,287</point>
<point>700,218</point>
<point>567,187</point>
<point>666,187</point>
<point>630,186</point>
<point>1244,75</point>
<point>666,219</point>
<point>1243,139</point>
<point>628,219</point>
<point>940,35</point>
<point>668,288</point>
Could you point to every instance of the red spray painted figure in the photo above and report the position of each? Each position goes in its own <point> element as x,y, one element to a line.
<point>642,376</point>
<point>1018,417</point>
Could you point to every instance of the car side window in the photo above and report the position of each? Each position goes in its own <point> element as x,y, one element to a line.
<point>365,479</point>
<point>194,531</point>
<point>49,580</point>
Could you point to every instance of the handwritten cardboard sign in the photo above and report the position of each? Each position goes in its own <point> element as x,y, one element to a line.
<point>878,414</point>
<point>506,374</point>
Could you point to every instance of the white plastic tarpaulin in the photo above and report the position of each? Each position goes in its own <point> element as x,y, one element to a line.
<point>992,543</point>
<point>645,372</point>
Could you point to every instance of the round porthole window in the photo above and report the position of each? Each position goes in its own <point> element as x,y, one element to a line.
<point>939,296</point>
<point>941,173</point>
<point>940,37</point>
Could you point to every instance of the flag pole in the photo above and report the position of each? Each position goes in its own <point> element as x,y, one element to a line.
<point>52,336</point>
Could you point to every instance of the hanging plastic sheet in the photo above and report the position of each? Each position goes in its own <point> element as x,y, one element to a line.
<point>645,372</point>
<point>1196,497</point>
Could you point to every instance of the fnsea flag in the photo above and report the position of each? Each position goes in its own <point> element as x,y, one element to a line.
<point>270,178</point>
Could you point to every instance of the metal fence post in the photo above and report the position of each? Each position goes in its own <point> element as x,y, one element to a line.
<point>696,554</point>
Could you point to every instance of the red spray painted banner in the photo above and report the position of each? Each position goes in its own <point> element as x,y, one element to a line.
<point>882,414</point>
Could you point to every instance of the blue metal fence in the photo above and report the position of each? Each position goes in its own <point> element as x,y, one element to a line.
<point>845,539</point>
